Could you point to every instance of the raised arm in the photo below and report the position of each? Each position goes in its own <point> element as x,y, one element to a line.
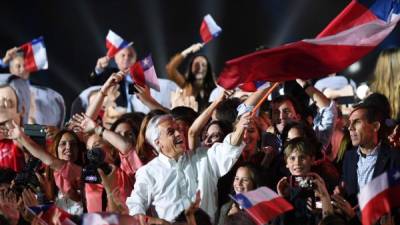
<point>93,109</point>
<point>88,125</point>
<point>145,97</point>
<point>176,61</point>
<point>201,121</point>
<point>320,99</point>
<point>15,132</point>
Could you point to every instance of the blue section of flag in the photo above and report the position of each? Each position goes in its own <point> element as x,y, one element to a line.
<point>38,40</point>
<point>394,177</point>
<point>259,83</point>
<point>41,208</point>
<point>242,201</point>
<point>146,63</point>
<point>123,44</point>
<point>382,8</point>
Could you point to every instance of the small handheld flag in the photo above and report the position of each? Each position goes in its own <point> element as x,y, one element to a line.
<point>115,43</point>
<point>35,55</point>
<point>209,29</point>
<point>143,73</point>
<point>262,204</point>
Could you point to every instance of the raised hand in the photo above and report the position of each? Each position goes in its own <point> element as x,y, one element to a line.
<point>102,63</point>
<point>283,187</point>
<point>9,206</point>
<point>85,123</point>
<point>13,130</point>
<point>10,54</point>
<point>192,49</point>
<point>109,181</point>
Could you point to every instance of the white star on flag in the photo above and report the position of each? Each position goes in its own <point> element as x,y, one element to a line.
<point>396,176</point>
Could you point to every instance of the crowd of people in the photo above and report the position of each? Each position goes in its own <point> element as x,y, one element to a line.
<point>175,156</point>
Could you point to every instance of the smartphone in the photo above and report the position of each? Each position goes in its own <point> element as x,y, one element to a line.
<point>304,182</point>
<point>132,89</point>
<point>36,132</point>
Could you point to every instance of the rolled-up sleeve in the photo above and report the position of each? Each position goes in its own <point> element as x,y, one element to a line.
<point>324,123</point>
<point>140,198</point>
<point>223,156</point>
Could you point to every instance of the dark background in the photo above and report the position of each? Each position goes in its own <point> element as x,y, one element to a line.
<point>75,31</point>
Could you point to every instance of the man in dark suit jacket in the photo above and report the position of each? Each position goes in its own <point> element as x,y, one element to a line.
<point>124,59</point>
<point>371,155</point>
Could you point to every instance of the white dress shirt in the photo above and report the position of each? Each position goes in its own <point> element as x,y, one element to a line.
<point>170,186</point>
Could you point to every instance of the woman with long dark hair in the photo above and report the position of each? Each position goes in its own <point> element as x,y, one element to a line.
<point>198,80</point>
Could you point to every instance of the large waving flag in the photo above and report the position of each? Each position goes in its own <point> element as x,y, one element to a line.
<point>209,29</point>
<point>357,30</point>
<point>35,56</point>
<point>143,73</point>
<point>262,204</point>
<point>379,196</point>
<point>114,43</point>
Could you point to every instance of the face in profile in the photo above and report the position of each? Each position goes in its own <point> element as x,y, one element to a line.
<point>17,67</point>
<point>243,181</point>
<point>125,58</point>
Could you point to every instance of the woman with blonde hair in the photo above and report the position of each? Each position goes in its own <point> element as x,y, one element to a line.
<point>387,78</point>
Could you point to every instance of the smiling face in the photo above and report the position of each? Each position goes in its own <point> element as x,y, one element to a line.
<point>199,67</point>
<point>214,134</point>
<point>243,181</point>
<point>282,113</point>
<point>125,58</point>
<point>298,163</point>
<point>171,141</point>
<point>67,148</point>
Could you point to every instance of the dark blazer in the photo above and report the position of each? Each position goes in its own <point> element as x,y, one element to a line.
<point>100,79</point>
<point>387,159</point>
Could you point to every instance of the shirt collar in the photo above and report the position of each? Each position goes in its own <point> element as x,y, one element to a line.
<point>374,152</point>
<point>168,161</point>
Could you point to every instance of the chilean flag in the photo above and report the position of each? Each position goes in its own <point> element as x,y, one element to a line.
<point>209,29</point>
<point>114,43</point>
<point>262,204</point>
<point>143,73</point>
<point>35,56</point>
<point>379,196</point>
<point>356,31</point>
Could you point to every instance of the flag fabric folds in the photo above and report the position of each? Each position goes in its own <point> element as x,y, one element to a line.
<point>149,72</point>
<point>48,212</point>
<point>114,43</point>
<point>35,56</point>
<point>379,196</point>
<point>262,204</point>
<point>209,29</point>
<point>357,30</point>
<point>143,73</point>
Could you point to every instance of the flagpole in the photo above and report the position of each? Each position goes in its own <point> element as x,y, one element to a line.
<point>270,90</point>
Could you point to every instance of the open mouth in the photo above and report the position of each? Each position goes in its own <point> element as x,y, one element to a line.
<point>178,142</point>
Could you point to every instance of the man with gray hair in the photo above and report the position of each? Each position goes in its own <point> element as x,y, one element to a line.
<point>170,181</point>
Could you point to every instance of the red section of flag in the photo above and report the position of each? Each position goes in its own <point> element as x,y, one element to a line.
<point>283,63</point>
<point>265,211</point>
<point>111,49</point>
<point>381,205</point>
<point>354,13</point>
<point>137,74</point>
<point>29,59</point>
<point>206,36</point>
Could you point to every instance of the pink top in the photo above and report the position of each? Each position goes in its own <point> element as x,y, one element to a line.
<point>93,192</point>
<point>69,176</point>
<point>130,163</point>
